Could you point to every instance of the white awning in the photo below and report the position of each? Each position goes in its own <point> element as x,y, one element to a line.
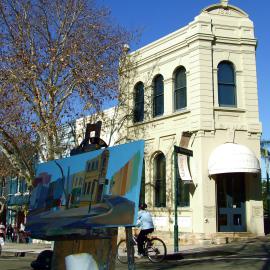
<point>231,157</point>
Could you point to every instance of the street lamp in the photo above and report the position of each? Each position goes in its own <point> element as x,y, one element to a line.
<point>267,182</point>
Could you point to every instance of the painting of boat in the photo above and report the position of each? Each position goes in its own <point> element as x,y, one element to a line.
<point>98,189</point>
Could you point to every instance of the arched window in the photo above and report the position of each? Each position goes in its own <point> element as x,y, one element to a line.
<point>226,84</point>
<point>142,192</point>
<point>138,102</point>
<point>158,96</point>
<point>180,89</point>
<point>160,180</point>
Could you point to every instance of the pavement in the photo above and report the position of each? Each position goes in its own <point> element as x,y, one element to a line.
<point>190,251</point>
<point>184,252</point>
<point>18,248</point>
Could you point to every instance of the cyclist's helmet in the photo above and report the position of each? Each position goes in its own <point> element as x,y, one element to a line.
<point>143,206</point>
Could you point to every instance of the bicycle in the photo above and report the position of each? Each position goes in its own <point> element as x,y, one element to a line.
<point>154,248</point>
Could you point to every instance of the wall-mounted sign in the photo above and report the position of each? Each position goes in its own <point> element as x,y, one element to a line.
<point>209,211</point>
<point>185,222</point>
<point>183,168</point>
<point>183,155</point>
<point>97,189</point>
<point>257,211</point>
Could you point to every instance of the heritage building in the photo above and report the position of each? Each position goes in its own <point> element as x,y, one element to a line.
<point>197,88</point>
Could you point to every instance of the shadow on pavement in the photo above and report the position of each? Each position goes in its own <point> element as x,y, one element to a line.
<point>199,254</point>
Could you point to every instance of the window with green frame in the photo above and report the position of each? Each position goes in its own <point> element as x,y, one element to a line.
<point>160,180</point>
<point>226,84</point>
<point>183,198</point>
<point>138,114</point>
<point>158,96</point>
<point>180,89</point>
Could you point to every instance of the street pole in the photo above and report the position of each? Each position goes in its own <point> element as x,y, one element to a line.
<point>176,246</point>
<point>103,243</point>
<point>268,194</point>
<point>267,183</point>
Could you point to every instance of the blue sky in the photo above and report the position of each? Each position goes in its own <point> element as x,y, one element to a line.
<point>157,18</point>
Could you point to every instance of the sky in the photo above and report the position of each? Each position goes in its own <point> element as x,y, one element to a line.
<point>157,18</point>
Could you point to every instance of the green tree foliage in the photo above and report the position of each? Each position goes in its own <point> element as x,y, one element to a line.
<point>265,183</point>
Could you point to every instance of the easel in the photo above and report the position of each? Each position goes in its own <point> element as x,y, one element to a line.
<point>101,243</point>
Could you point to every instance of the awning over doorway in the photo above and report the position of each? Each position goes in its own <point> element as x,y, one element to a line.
<point>231,157</point>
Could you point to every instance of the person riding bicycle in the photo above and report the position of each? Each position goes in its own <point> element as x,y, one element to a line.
<point>145,223</point>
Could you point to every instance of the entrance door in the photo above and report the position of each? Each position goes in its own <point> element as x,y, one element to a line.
<point>231,202</point>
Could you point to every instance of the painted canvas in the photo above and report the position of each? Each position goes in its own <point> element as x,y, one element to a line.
<point>98,189</point>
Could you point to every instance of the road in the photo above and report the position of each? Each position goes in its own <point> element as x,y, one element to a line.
<point>250,255</point>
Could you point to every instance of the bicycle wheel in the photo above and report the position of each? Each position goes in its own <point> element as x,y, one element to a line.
<point>156,250</point>
<point>122,251</point>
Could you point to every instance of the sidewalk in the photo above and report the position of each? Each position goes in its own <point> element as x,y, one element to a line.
<point>192,251</point>
<point>211,250</point>
<point>184,250</point>
<point>16,248</point>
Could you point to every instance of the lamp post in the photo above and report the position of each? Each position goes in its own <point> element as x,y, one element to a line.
<point>176,249</point>
<point>267,182</point>
<point>268,194</point>
<point>186,152</point>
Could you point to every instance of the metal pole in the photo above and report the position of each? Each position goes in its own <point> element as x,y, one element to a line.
<point>267,194</point>
<point>176,249</point>
<point>130,248</point>
<point>267,183</point>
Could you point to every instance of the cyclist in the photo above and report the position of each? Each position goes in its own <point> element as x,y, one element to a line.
<point>145,223</point>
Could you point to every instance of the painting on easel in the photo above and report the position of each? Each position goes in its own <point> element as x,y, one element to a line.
<point>98,189</point>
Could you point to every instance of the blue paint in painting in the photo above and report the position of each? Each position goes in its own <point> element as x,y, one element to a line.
<point>92,190</point>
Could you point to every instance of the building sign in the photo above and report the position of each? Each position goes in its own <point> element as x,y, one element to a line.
<point>257,211</point>
<point>97,189</point>
<point>183,155</point>
<point>209,211</point>
<point>185,222</point>
<point>183,167</point>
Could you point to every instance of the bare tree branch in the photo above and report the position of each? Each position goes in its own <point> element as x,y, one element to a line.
<point>61,60</point>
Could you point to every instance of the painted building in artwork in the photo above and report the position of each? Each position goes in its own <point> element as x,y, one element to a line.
<point>95,178</point>
<point>121,183</point>
<point>197,88</point>
<point>77,188</point>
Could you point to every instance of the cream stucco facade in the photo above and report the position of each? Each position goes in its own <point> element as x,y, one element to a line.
<point>221,32</point>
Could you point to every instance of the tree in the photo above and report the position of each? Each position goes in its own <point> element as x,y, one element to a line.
<point>266,188</point>
<point>58,61</point>
<point>15,137</point>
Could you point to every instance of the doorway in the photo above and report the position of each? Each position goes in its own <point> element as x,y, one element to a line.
<point>231,202</point>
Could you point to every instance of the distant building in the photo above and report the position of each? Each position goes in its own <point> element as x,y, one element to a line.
<point>15,197</point>
<point>197,88</point>
<point>77,188</point>
<point>95,178</point>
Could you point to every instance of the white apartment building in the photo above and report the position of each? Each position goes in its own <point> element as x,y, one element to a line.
<point>197,88</point>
